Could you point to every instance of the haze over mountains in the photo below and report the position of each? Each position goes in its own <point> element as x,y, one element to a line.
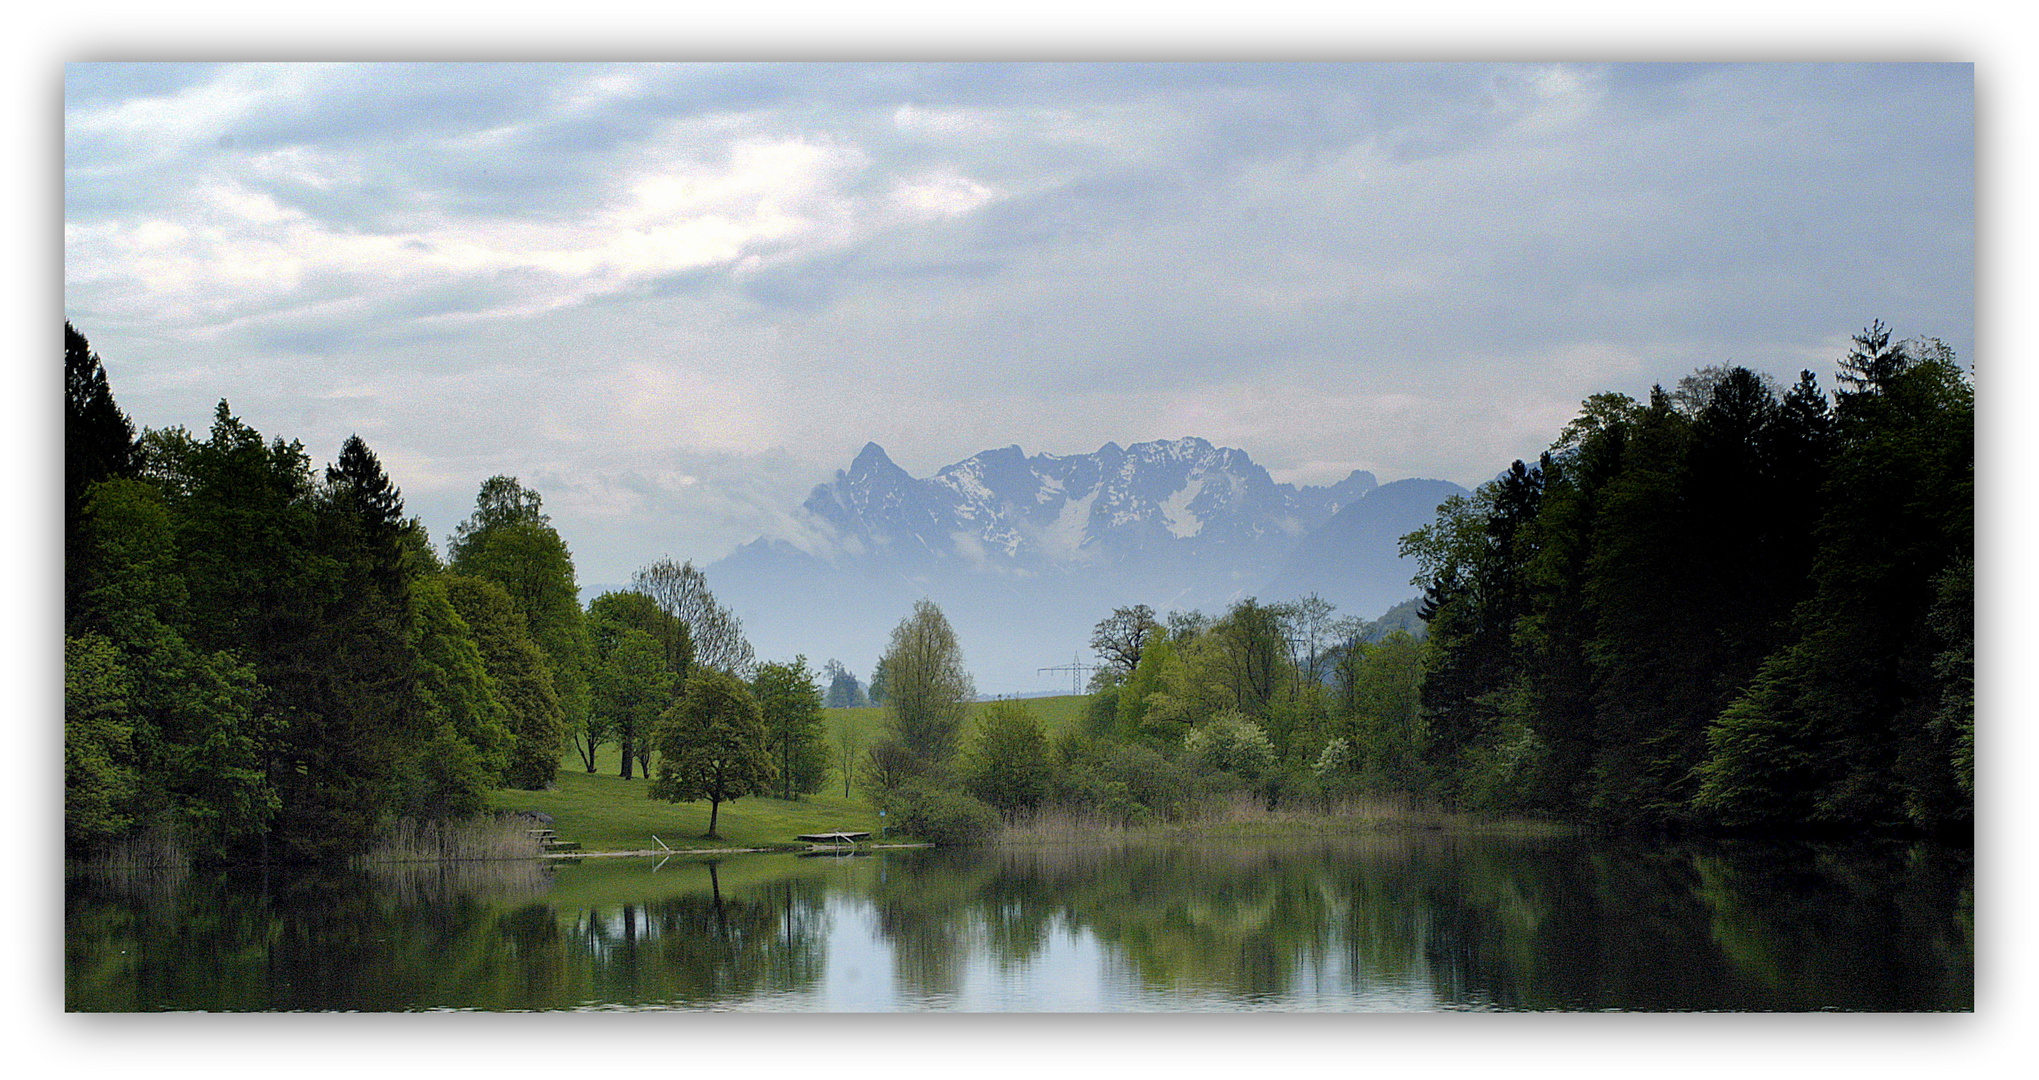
<point>1025,554</point>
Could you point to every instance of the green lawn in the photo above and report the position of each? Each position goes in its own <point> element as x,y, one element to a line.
<point>603,812</point>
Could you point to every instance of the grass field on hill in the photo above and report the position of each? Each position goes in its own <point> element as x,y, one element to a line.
<point>603,812</point>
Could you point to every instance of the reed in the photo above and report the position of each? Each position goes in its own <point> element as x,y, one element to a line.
<point>1244,815</point>
<point>153,858</point>
<point>410,840</point>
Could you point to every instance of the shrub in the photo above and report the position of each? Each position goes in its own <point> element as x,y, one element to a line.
<point>947,818</point>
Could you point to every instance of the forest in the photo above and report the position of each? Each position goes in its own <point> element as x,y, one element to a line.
<point>264,662</point>
<point>1732,606</point>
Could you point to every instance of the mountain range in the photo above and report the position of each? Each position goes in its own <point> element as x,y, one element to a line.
<point>1026,553</point>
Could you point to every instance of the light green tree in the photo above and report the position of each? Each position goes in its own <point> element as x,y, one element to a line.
<point>927,691</point>
<point>1009,765</point>
<point>509,540</point>
<point>791,704</point>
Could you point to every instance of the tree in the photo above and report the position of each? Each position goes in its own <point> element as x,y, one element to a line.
<point>510,541</point>
<point>1231,743</point>
<point>880,678</point>
<point>1119,638</point>
<point>629,676</point>
<point>791,705</point>
<point>1009,764</point>
<point>1379,704</point>
<point>522,679</point>
<point>99,444</point>
<point>717,634</point>
<point>713,745</point>
<point>927,692</point>
<point>848,740</point>
<point>632,690</point>
<point>1252,650</point>
<point>471,725</point>
<point>844,691</point>
<point>1873,362</point>
<point>1307,626</point>
<point>500,503</point>
<point>100,785</point>
<point>1858,722</point>
<point>195,739</point>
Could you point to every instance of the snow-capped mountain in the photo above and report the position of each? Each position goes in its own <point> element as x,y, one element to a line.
<point>1002,509</point>
<point>1025,554</point>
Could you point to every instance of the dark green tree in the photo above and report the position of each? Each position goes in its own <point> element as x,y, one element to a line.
<point>100,785</point>
<point>194,737</point>
<point>99,444</point>
<point>713,746</point>
<point>633,688</point>
<point>1119,637</point>
<point>844,691</point>
<point>1849,727</point>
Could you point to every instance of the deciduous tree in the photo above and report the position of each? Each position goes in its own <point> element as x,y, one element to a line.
<point>928,692</point>
<point>791,705</point>
<point>1009,765</point>
<point>717,634</point>
<point>712,745</point>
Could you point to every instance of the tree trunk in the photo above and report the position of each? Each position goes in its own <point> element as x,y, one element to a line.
<point>625,774</point>
<point>714,807</point>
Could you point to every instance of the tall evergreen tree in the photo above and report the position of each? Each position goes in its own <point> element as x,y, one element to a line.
<point>99,439</point>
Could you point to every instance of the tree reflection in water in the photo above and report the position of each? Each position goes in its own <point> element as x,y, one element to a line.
<point>1405,920</point>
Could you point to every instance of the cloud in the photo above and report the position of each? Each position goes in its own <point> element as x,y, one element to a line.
<point>620,277</point>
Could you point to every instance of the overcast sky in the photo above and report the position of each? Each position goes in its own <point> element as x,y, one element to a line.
<point>674,298</point>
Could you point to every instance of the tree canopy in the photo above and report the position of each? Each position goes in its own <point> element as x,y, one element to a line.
<point>713,745</point>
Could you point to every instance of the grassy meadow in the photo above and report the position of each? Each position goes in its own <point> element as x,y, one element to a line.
<point>603,812</point>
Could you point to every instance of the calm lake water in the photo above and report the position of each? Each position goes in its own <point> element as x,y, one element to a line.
<point>1422,921</point>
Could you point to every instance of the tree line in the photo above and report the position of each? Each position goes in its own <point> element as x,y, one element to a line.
<point>1731,606</point>
<point>1721,607</point>
<point>272,662</point>
<point>1281,704</point>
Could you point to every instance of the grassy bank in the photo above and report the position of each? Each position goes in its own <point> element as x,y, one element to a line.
<point>603,812</point>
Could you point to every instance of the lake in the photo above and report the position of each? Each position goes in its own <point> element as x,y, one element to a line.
<point>1374,922</point>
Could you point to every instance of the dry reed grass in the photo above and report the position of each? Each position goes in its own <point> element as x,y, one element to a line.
<point>1244,815</point>
<point>152,861</point>
<point>467,840</point>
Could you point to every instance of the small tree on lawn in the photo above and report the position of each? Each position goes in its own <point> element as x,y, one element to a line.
<point>713,746</point>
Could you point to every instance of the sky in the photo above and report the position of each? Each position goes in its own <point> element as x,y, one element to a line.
<point>674,298</point>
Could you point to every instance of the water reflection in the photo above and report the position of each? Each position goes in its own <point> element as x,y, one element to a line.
<point>1405,921</point>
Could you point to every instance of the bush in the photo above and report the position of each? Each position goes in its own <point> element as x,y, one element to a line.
<point>947,818</point>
